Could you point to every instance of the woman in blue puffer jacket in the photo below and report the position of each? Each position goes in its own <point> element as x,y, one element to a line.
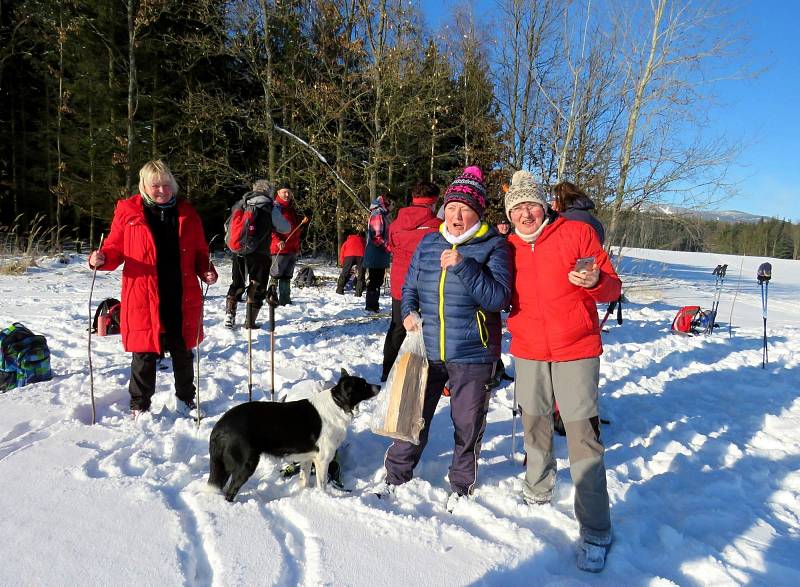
<point>459,280</point>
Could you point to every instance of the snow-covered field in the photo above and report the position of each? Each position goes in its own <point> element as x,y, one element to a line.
<point>702,450</point>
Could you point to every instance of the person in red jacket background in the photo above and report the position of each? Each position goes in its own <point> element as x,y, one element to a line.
<point>412,223</point>
<point>351,255</point>
<point>285,248</point>
<point>555,341</point>
<point>159,239</point>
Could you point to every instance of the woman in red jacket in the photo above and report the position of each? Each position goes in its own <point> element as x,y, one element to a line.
<point>555,341</point>
<point>351,255</point>
<point>159,239</point>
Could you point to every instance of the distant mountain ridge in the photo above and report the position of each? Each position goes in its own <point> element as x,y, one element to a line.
<point>731,216</point>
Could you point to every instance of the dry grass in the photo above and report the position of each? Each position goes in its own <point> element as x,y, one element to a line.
<point>16,266</point>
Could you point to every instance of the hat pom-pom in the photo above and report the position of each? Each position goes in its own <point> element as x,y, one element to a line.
<point>474,171</point>
<point>521,176</point>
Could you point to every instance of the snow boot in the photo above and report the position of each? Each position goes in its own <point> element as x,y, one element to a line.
<point>592,552</point>
<point>230,311</point>
<point>372,304</point>
<point>284,292</point>
<point>251,315</point>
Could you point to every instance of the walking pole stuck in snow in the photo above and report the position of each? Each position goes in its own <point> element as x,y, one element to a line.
<point>719,274</point>
<point>200,327</point>
<point>91,317</point>
<point>733,303</point>
<point>248,324</point>
<point>764,275</point>
<point>272,301</point>
<point>514,426</point>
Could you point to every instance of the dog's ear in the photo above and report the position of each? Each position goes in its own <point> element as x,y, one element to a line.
<point>344,373</point>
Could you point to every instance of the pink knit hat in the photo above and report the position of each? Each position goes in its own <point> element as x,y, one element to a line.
<point>468,188</point>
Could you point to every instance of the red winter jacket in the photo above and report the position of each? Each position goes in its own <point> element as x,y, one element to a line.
<point>293,242</point>
<point>412,223</point>
<point>353,246</point>
<point>551,319</point>
<point>131,242</point>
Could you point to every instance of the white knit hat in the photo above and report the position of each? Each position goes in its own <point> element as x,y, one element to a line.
<point>524,189</point>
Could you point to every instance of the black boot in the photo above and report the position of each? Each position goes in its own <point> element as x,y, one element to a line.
<point>372,300</point>
<point>252,314</point>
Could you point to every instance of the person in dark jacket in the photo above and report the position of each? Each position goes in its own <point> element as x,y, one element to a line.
<point>285,248</point>
<point>376,254</point>
<point>503,227</point>
<point>351,255</point>
<point>254,266</point>
<point>159,238</point>
<point>412,223</point>
<point>459,280</point>
<point>573,204</point>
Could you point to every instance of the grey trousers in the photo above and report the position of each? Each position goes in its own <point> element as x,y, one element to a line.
<point>573,384</point>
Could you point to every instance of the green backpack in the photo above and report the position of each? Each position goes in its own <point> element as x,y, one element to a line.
<point>24,357</point>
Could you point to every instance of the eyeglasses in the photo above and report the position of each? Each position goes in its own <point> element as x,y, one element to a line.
<point>529,208</point>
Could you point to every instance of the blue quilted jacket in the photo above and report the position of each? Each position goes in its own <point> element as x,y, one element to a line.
<point>460,307</point>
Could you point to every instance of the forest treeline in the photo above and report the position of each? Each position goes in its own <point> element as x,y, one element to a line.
<point>611,96</point>
<point>771,237</point>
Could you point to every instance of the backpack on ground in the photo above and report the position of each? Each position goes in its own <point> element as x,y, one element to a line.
<point>106,317</point>
<point>24,357</point>
<point>691,320</point>
<point>249,223</point>
<point>305,278</point>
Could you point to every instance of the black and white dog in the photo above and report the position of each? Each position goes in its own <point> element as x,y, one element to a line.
<point>308,430</point>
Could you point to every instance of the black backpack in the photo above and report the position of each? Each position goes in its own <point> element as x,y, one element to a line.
<point>106,317</point>
<point>249,223</point>
<point>305,278</point>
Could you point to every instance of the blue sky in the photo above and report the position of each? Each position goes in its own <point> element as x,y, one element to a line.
<point>762,114</point>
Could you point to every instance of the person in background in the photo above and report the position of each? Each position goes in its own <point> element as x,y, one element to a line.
<point>351,256</point>
<point>412,223</point>
<point>459,280</point>
<point>159,240</point>
<point>555,341</point>
<point>503,227</point>
<point>254,266</point>
<point>571,203</point>
<point>376,254</point>
<point>285,248</point>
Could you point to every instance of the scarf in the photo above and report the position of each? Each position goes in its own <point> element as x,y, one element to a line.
<point>531,238</point>
<point>460,240</point>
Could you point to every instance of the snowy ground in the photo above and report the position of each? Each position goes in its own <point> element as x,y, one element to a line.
<point>703,453</point>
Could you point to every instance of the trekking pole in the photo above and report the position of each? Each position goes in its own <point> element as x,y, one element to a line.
<point>91,372</point>
<point>200,327</point>
<point>249,353</point>
<point>733,303</point>
<point>272,301</point>
<point>764,275</point>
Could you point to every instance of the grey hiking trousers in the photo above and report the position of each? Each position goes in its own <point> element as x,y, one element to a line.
<point>573,384</point>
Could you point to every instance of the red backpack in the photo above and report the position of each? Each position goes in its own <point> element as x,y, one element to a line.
<point>244,231</point>
<point>686,320</point>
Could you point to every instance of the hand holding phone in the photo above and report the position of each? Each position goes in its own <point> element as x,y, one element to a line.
<point>584,264</point>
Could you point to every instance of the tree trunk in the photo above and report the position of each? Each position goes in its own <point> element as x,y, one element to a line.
<point>132,90</point>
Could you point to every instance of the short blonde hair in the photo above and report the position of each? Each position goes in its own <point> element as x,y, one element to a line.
<point>156,168</point>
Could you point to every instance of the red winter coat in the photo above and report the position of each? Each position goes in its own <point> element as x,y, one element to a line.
<point>131,242</point>
<point>405,233</point>
<point>551,319</point>
<point>293,242</point>
<point>353,246</point>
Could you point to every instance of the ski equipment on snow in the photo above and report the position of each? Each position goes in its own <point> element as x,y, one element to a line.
<point>107,317</point>
<point>24,357</point>
<point>242,234</point>
<point>764,275</point>
<point>719,274</point>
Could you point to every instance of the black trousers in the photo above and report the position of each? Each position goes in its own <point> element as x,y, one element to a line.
<point>142,385</point>
<point>394,339</point>
<point>256,266</point>
<point>374,283</point>
<point>344,275</point>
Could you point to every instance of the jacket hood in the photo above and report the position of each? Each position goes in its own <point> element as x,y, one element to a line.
<point>379,202</point>
<point>412,217</point>
<point>582,203</point>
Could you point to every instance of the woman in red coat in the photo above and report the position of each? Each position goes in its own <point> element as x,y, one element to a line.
<point>159,239</point>
<point>555,341</point>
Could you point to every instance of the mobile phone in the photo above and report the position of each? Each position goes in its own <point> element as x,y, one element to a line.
<point>584,264</point>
